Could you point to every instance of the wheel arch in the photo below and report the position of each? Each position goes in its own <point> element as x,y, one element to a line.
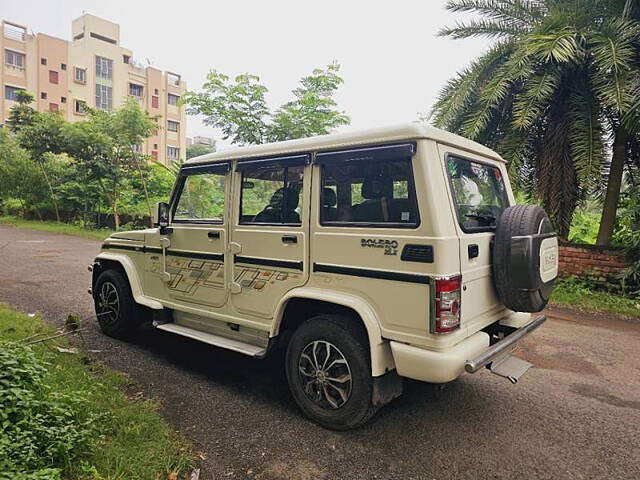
<point>337,302</point>
<point>106,260</point>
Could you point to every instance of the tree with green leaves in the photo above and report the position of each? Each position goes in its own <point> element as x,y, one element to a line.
<point>106,143</point>
<point>197,150</point>
<point>561,76</point>
<point>238,107</point>
<point>20,177</point>
<point>42,136</point>
<point>22,113</point>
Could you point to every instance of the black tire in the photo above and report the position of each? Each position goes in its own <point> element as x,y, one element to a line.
<point>350,341</point>
<point>519,221</point>
<point>124,322</point>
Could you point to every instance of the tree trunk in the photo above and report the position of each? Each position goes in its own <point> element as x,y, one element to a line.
<point>608,220</point>
<point>146,191</point>
<point>53,195</point>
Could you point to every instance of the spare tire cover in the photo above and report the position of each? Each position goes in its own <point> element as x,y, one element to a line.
<point>525,258</point>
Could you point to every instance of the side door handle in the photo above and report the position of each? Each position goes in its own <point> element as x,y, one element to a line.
<point>213,234</point>
<point>289,239</point>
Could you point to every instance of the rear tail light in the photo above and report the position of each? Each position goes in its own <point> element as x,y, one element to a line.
<point>447,304</point>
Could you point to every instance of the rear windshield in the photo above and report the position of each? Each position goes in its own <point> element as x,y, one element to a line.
<point>479,193</point>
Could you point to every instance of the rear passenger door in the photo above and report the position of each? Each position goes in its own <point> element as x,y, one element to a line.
<point>269,241</point>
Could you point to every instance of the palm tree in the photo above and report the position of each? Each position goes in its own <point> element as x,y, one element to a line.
<point>555,95</point>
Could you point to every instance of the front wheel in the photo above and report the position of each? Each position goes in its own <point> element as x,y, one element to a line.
<point>114,304</point>
<point>329,372</point>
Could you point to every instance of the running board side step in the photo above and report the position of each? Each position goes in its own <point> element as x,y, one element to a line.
<point>215,340</point>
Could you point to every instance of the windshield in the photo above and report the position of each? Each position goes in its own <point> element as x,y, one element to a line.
<point>479,193</point>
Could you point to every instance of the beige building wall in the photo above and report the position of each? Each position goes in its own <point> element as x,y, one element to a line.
<point>63,75</point>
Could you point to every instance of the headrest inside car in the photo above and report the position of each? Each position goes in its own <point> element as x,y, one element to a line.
<point>277,199</point>
<point>377,187</point>
<point>329,197</point>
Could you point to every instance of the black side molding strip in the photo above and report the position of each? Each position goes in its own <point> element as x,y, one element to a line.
<point>133,248</point>
<point>269,263</point>
<point>175,253</point>
<point>202,256</point>
<point>362,272</point>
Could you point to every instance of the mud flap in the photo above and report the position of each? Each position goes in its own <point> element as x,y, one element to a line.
<point>509,367</point>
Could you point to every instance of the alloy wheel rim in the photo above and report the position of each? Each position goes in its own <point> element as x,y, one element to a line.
<point>325,374</point>
<point>108,304</point>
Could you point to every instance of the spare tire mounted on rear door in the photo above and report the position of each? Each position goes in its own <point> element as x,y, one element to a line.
<point>525,258</point>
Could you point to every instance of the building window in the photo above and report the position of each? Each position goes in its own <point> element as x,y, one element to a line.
<point>173,79</point>
<point>97,36</point>
<point>155,146</point>
<point>43,95</point>
<point>80,107</point>
<point>154,155</point>
<point>10,92</point>
<point>14,32</point>
<point>104,89</point>
<point>53,76</point>
<point>155,91</point>
<point>63,66</point>
<point>154,101</point>
<point>126,59</point>
<point>104,97</point>
<point>173,153</point>
<point>104,68</point>
<point>135,90</point>
<point>136,148</point>
<point>173,126</point>
<point>63,99</point>
<point>80,75</point>
<point>15,59</point>
<point>43,61</point>
<point>173,99</point>
<point>53,107</point>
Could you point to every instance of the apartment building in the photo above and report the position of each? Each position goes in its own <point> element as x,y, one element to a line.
<point>200,140</point>
<point>92,69</point>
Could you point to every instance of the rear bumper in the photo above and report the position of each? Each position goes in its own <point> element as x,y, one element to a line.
<point>503,347</point>
<point>470,354</point>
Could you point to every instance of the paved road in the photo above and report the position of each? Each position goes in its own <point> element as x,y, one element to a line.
<point>575,415</point>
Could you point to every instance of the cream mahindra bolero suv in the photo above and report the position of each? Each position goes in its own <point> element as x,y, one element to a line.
<point>367,256</point>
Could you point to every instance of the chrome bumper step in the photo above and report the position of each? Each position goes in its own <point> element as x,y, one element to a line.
<point>510,367</point>
<point>498,356</point>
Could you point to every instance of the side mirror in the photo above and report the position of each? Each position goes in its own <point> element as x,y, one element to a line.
<point>161,215</point>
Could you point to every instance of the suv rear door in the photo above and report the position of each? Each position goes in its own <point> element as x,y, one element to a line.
<point>479,193</point>
<point>269,241</point>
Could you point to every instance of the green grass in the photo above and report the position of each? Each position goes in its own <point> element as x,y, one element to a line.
<point>137,443</point>
<point>64,228</point>
<point>577,294</point>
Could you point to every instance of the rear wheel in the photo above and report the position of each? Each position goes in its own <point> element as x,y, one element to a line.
<point>114,304</point>
<point>329,372</point>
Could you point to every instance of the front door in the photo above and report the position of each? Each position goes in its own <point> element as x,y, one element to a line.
<point>197,237</point>
<point>269,241</point>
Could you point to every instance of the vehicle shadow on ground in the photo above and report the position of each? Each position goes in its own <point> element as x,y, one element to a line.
<point>264,381</point>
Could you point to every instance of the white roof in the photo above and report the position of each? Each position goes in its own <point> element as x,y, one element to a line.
<point>347,139</point>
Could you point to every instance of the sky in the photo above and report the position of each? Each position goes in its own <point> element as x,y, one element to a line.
<point>393,63</point>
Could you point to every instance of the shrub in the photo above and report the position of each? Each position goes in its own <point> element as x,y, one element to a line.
<point>43,432</point>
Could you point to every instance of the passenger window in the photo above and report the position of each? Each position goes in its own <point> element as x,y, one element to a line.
<point>369,192</point>
<point>272,195</point>
<point>201,199</point>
